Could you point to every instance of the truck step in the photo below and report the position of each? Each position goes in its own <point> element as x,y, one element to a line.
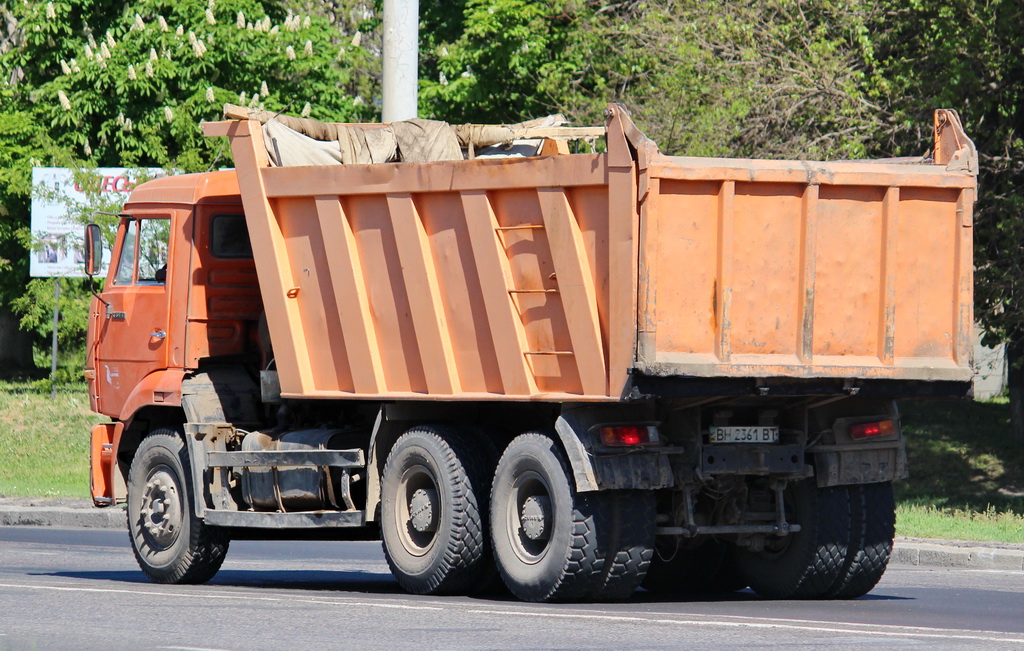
<point>354,458</point>
<point>298,520</point>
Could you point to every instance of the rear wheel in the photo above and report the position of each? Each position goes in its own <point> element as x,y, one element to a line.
<point>170,543</point>
<point>872,528</point>
<point>432,512</point>
<point>630,545</point>
<point>553,544</point>
<point>805,564</point>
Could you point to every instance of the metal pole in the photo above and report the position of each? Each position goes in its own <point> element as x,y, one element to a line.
<point>53,352</point>
<point>401,49</point>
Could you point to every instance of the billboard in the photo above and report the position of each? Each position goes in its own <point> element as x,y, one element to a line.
<point>56,235</point>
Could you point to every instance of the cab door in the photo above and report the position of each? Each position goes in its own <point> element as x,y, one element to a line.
<point>134,336</point>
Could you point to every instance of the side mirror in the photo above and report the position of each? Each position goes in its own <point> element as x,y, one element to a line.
<point>93,250</point>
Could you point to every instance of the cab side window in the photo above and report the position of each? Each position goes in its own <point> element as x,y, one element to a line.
<point>229,237</point>
<point>126,261</point>
<point>143,258</point>
<point>153,237</point>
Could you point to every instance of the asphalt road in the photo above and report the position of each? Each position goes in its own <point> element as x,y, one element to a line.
<point>81,589</point>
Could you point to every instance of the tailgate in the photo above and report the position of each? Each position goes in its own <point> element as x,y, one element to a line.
<point>808,269</point>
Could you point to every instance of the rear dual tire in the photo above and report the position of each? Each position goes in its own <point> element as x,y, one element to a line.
<point>553,544</point>
<point>840,552</point>
<point>433,512</point>
<point>804,564</point>
<point>872,529</point>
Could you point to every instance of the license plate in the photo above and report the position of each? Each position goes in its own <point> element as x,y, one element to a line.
<point>759,434</point>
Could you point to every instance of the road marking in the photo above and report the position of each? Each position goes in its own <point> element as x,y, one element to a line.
<point>342,602</point>
<point>191,648</point>
<point>779,624</point>
<point>246,596</point>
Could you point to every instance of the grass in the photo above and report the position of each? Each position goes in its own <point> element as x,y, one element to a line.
<point>966,473</point>
<point>967,476</point>
<point>922,520</point>
<point>44,443</point>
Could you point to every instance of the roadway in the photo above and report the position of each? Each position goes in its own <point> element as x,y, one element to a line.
<point>81,589</point>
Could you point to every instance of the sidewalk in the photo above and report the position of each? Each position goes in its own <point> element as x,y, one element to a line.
<point>72,513</point>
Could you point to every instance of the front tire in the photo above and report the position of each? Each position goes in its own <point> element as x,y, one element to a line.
<point>432,512</point>
<point>170,543</point>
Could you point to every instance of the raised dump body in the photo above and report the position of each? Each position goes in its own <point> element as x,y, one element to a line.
<point>581,372</point>
<point>557,277</point>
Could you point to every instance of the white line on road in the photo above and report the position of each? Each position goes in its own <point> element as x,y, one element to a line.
<point>247,596</point>
<point>780,624</point>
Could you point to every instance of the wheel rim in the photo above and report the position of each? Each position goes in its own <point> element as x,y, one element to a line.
<point>161,507</point>
<point>529,516</point>
<point>418,512</point>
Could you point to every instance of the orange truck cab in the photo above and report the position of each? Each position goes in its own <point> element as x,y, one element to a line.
<point>181,289</point>
<point>585,372</point>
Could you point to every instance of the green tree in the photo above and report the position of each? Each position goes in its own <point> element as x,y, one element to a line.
<point>775,78</point>
<point>772,78</point>
<point>501,60</point>
<point>99,82</point>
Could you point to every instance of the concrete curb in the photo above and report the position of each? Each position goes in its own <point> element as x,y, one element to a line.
<point>906,551</point>
<point>958,553</point>
<point>63,517</point>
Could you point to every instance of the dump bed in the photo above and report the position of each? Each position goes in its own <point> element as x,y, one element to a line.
<point>568,276</point>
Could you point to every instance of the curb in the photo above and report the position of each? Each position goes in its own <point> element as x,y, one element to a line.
<point>63,517</point>
<point>958,554</point>
<point>915,552</point>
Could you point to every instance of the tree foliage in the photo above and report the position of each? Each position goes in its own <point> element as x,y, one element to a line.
<point>128,83</point>
<point>777,78</point>
<point>99,82</point>
<point>970,56</point>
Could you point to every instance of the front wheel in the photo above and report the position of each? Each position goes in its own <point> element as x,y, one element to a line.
<point>170,543</point>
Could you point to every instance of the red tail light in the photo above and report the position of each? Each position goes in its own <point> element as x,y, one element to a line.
<point>872,430</point>
<point>629,435</point>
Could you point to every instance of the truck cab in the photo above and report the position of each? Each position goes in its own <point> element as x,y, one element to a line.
<point>180,292</point>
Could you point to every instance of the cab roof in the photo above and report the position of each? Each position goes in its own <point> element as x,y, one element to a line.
<point>187,189</point>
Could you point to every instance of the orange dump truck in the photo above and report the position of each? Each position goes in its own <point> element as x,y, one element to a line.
<point>581,372</point>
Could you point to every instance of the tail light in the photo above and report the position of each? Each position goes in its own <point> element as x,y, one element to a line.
<point>872,430</point>
<point>629,435</point>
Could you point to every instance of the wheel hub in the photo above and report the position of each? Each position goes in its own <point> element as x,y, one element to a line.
<point>422,506</point>
<point>161,508</point>
<point>418,514</point>
<point>535,515</point>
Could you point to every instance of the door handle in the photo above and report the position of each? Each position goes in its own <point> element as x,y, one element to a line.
<point>159,334</point>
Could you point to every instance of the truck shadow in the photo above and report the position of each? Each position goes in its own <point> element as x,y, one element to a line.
<point>378,583</point>
<point>642,596</point>
<point>314,580</point>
